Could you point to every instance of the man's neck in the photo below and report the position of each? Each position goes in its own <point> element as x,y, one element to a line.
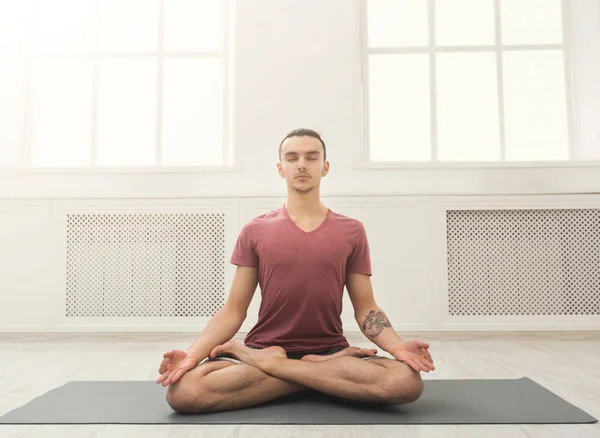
<point>307,206</point>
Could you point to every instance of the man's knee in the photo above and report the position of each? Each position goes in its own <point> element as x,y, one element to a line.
<point>178,397</point>
<point>411,389</point>
<point>404,385</point>
<point>187,399</point>
<point>189,395</point>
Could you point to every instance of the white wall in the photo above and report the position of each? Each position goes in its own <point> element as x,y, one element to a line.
<point>298,64</point>
<point>408,237</point>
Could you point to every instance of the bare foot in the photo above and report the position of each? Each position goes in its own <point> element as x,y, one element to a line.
<point>349,351</point>
<point>250,356</point>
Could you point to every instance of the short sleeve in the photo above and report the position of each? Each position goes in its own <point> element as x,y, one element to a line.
<point>244,252</point>
<point>359,261</point>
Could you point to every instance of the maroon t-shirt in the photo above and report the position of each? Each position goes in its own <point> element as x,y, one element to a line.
<point>301,277</point>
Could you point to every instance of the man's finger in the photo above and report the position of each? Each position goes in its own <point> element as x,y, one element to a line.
<point>168,379</point>
<point>425,366</point>
<point>420,365</point>
<point>413,364</point>
<point>177,375</point>
<point>428,364</point>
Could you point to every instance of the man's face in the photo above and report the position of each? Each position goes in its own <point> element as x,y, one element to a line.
<point>302,163</point>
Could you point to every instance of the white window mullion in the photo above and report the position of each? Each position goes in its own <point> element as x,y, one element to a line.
<point>453,49</point>
<point>500,78</point>
<point>29,99</point>
<point>96,66</point>
<point>225,144</point>
<point>432,80</point>
<point>130,55</point>
<point>567,60</point>
<point>159,82</point>
<point>363,20</point>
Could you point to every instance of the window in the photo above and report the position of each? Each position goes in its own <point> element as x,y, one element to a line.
<point>113,83</point>
<point>467,81</point>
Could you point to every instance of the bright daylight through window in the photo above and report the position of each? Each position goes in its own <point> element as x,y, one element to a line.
<point>112,83</point>
<point>488,85</point>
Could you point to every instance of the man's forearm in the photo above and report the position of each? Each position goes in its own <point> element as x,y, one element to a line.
<point>220,328</point>
<point>376,326</point>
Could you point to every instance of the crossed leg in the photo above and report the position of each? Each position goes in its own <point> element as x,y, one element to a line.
<point>377,380</point>
<point>220,385</point>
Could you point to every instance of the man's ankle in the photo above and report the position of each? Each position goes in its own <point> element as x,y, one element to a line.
<point>270,364</point>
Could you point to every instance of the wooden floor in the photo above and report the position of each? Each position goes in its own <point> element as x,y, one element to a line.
<point>566,363</point>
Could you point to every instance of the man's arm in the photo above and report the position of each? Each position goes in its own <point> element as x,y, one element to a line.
<point>377,327</point>
<point>227,321</point>
<point>223,326</point>
<point>372,321</point>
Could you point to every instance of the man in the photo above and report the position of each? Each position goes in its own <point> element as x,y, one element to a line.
<point>302,254</point>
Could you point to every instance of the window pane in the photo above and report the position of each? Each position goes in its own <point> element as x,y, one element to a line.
<point>13,15</point>
<point>192,112</point>
<point>63,26</point>
<point>61,113</point>
<point>12,110</point>
<point>454,27</point>
<point>467,97</point>
<point>531,21</point>
<point>397,23</point>
<point>535,106</point>
<point>193,25</point>
<point>12,27</point>
<point>399,111</point>
<point>127,112</point>
<point>128,25</point>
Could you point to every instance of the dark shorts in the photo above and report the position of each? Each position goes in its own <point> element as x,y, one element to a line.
<point>298,355</point>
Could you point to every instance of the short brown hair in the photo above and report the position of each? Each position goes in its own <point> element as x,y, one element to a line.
<point>302,132</point>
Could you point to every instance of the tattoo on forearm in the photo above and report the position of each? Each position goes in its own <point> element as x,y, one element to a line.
<point>374,323</point>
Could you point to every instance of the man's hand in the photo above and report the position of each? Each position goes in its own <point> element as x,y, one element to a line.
<point>415,354</point>
<point>174,365</point>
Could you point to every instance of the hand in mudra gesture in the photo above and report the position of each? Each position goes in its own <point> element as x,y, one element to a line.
<point>174,365</point>
<point>414,353</point>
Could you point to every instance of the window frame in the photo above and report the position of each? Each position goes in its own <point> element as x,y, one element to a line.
<point>229,151</point>
<point>362,161</point>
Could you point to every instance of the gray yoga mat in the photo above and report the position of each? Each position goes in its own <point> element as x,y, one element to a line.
<point>517,401</point>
